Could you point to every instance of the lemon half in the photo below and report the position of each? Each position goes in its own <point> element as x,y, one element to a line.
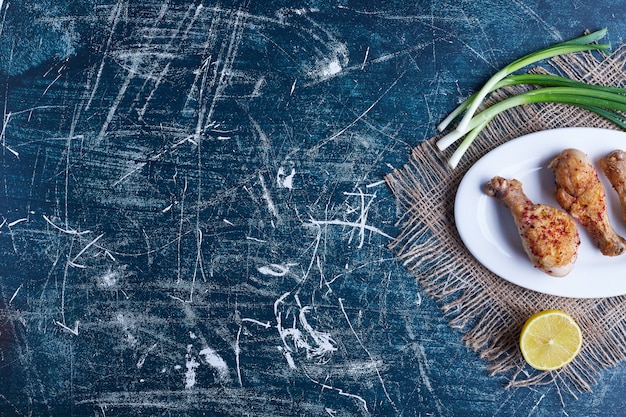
<point>550,340</point>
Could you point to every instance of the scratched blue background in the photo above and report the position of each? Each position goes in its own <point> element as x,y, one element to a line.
<point>192,214</point>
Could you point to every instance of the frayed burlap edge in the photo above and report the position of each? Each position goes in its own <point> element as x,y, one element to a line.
<point>488,310</point>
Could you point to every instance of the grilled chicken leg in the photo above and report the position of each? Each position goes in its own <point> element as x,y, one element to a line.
<point>549,236</point>
<point>614,167</point>
<point>580,193</point>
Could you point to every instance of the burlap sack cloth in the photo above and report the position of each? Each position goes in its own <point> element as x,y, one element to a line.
<point>488,310</point>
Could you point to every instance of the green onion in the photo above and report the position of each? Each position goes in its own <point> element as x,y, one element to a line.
<point>607,104</point>
<point>549,80</point>
<point>605,101</point>
<point>617,118</point>
<point>582,43</point>
<point>546,80</point>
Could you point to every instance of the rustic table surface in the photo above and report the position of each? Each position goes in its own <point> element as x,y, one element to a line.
<point>193,218</point>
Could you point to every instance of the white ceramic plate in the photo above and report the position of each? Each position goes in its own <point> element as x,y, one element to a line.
<point>486,225</point>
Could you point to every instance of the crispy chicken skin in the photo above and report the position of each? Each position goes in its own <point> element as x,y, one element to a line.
<point>614,167</point>
<point>549,236</point>
<point>580,193</point>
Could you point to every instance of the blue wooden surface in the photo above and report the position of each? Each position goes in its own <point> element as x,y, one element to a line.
<point>193,218</point>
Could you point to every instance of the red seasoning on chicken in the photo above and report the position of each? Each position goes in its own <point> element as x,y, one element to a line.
<point>549,236</point>
<point>580,192</point>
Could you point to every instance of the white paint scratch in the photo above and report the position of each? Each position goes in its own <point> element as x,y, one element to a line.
<point>552,30</point>
<point>369,355</point>
<point>109,279</point>
<point>127,325</point>
<point>67,230</point>
<point>114,19</point>
<point>268,198</point>
<point>330,63</point>
<point>360,225</point>
<point>256,239</point>
<point>375,184</point>
<point>367,52</point>
<point>138,166</point>
<point>118,99</point>
<point>285,180</point>
<point>142,359</point>
<point>237,350</point>
<point>267,325</point>
<point>237,347</point>
<point>318,345</point>
<point>15,293</point>
<point>257,87</point>
<point>422,364</point>
<point>79,254</point>
<point>73,331</point>
<point>332,68</point>
<point>358,118</point>
<point>339,391</point>
<point>214,360</point>
<point>324,343</point>
<point>191,365</point>
<point>275,270</point>
<point>367,227</point>
<point>5,122</point>
<point>288,357</point>
<point>16,222</point>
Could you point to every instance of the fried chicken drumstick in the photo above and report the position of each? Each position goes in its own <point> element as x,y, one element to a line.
<point>580,192</point>
<point>614,167</point>
<point>549,236</point>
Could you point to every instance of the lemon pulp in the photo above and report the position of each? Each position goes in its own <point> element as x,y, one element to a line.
<point>550,339</point>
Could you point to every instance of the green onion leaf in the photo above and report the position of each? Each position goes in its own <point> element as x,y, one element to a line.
<point>607,104</point>
<point>582,43</point>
